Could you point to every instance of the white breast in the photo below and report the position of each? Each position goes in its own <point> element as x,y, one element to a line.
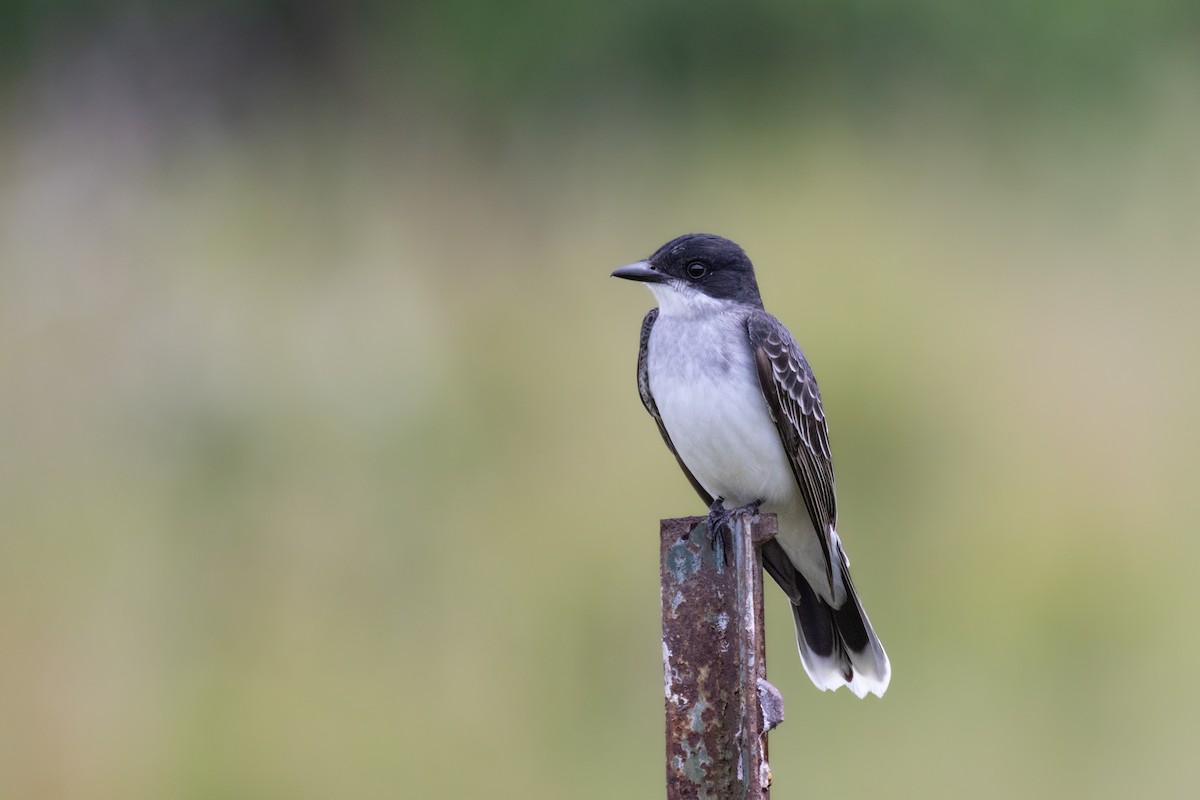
<point>706,387</point>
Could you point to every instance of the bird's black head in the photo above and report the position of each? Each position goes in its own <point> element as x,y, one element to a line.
<point>701,262</point>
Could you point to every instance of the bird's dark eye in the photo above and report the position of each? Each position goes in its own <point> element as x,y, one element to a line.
<point>696,270</point>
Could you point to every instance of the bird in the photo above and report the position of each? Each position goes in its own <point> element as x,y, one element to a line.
<point>737,404</point>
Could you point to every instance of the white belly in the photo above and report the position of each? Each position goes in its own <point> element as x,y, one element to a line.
<point>707,390</point>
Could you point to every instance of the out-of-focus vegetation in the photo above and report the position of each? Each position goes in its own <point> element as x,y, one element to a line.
<point>513,59</point>
<point>322,471</point>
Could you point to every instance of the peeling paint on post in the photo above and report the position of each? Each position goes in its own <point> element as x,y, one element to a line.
<point>714,659</point>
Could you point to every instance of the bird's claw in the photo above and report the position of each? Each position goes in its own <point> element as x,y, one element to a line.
<point>719,534</point>
<point>719,531</point>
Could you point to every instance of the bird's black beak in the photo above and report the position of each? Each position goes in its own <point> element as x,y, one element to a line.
<point>640,271</point>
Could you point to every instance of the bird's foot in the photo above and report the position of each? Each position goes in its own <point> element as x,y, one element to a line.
<point>719,534</point>
<point>719,531</point>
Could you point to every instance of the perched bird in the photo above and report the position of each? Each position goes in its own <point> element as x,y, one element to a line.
<point>737,404</point>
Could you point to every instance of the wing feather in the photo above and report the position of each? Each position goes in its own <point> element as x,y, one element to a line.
<point>790,389</point>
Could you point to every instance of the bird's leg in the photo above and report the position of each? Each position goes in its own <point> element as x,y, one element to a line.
<point>750,508</point>
<point>718,516</point>
<point>717,507</point>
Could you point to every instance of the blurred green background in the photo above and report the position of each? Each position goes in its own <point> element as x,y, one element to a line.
<point>322,468</point>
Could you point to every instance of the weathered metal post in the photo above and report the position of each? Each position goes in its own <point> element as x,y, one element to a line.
<point>719,704</point>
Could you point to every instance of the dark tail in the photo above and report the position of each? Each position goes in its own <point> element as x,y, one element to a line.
<point>838,646</point>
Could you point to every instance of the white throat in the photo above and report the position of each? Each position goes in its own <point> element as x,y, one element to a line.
<point>676,299</point>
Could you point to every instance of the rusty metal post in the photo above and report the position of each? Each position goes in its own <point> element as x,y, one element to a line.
<point>719,704</point>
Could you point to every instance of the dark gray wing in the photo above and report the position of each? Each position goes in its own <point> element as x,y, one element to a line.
<point>792,397</point>
<point>643,378</point>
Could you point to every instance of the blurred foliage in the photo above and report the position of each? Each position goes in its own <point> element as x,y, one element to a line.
<point>537,55</point>
<point>322,470</point>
